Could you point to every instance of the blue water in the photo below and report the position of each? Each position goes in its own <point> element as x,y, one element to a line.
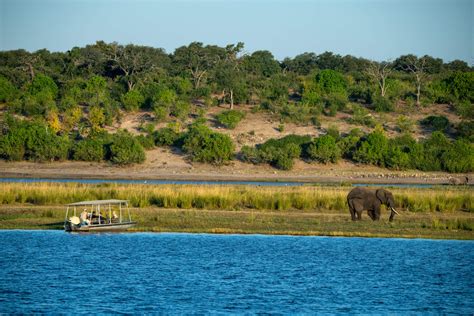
<point>254,183</point>
<point>57,272</point>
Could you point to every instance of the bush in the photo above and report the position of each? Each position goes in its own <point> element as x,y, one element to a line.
<point>281,152</point>
<point>8,92</point>
<point>180,110</point>
<point>400,152</point>
<point>373,149</point>
<point>437,123</point>
<point>204,145</point>
<point>125,149</point>
<point>147,142</point>
<point>230,118</point>
<point>459,157</point>
<point>331,81</point>
<point>324,149</point>
<point>348,144</point>
<point>465,130</point>
<point>165,136</point>
<point>465,109</point>
<point>89,149</point>
<point>427,154</point>
<point>361,116</point>
<point>405,124</point>
<point>335,102</point>
<point>381,104</point>
<point>250,154</point>
<point>132,100</point>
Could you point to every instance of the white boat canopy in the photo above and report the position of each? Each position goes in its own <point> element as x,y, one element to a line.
<point>98,202</point>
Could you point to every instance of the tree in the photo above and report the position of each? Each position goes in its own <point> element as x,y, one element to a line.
<point>261,63</point>
<point>416,66</point>
<point>197,61</point>
<point>228,73</point>
<point>331,81</point>
<point>134,61</point>
<point>8,92</point>
<point>379,72</point>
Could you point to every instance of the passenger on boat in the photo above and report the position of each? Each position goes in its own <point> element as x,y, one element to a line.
<point>84,217</point>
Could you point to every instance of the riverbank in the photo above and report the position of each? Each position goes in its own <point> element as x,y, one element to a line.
<point>174,167</point>
<point>456,225</point>
<point>438,213</point>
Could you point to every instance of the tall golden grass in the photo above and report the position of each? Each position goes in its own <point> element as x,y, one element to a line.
<point>227,197</point>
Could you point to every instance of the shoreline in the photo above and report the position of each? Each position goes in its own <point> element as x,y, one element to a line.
<point>242,233</point>
<point>344,173</point>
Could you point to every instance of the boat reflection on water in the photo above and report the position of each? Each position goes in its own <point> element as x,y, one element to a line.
<point>97,216</point>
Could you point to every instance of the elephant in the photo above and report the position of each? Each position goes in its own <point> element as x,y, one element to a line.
<point>360,199</point>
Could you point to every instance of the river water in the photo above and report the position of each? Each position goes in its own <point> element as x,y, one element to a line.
<point>202,182</point>
<point>57,272</point>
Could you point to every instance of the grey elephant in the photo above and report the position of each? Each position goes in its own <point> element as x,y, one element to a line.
<point>360,199</point>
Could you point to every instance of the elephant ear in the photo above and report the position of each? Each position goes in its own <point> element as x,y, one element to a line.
<point>381,195</point>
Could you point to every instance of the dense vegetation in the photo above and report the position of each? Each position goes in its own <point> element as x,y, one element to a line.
<point>57,106</point>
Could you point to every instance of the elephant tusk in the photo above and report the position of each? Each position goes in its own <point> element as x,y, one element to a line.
<point>393,210</point>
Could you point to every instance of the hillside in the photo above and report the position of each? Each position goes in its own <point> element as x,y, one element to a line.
<point>109,110</point>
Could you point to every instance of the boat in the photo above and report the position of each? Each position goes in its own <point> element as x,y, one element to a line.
<point>98,216</point>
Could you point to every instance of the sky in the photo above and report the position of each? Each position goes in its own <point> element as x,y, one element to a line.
<point>374,29</point>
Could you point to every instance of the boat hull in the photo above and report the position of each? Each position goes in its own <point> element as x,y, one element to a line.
<point>98,227</point>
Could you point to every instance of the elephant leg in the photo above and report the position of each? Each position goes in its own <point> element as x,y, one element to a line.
<point>359,215</point>
<point>371,214</point>
<point>376,214</point>
<point>352,210</point>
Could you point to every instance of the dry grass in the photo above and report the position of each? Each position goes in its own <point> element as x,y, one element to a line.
<point>226,197</point>
<point>438,212</point>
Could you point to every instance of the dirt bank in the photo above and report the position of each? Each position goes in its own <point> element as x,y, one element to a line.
<point>163,164</point>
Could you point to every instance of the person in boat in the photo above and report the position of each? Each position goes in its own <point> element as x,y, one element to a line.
<point>84,217</point>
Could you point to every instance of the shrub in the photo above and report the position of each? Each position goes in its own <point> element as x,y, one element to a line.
<point>180,110</point>
<point>331,81</point>
<point>427,154</point>
<point>161,112</point>
<point>405,124</point>
<point>132,100</point>
<point>361,116</point>
<point>250,154</point>
<point>204,145</point>
<point>230,118</point>
<point>465,109</point>
<point>437,123</point>
<point>335,102</point>
<point>381,104</point>
<point>373,149</point>
<point>348,144</point>
<point>125,149</point>
<point>459,157</point>
<point>461,85</point>
<point>281,152</point>
<point>8,92</point>
<point>89,149</point>
<point>465,129</point>
<point>165,136</point>
<point>324,149</point>
<point>147,142</point>
<point>399,155</point>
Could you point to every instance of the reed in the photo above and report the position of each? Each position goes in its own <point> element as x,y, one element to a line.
<point>456,225</point>
<point>226,197</point>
